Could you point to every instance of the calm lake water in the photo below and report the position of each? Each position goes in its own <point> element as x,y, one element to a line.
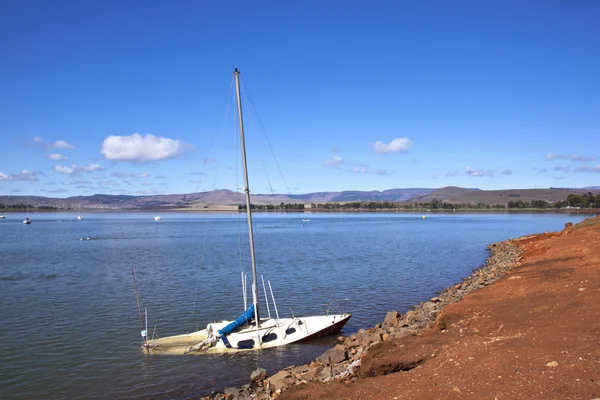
<point>70,324</point>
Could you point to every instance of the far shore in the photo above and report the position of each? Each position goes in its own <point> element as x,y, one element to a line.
<point>319,210</point>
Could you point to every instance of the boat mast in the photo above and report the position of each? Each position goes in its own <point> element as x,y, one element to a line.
<point>236,74</point>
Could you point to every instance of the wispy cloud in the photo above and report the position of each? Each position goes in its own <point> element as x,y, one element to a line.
<point>79,182</point>
<point>56,157</point>
<point>142,149</point>
<point>562,169</point>
<point>398,145</point>
<point>451,174</point>
<point>24,175</point>
<point>382,172</point>
<point>571,157</point>
<point>76,169</point>
<point>436,177</point>
<point>61,144</point>
<point>127,175</point>
<point>334,161</point>
<point>108,183</point>
<point>359,167</point>
<point>507,171</point>
<point>588,168</point>
<point>58,190</point>
<point>478,172</point>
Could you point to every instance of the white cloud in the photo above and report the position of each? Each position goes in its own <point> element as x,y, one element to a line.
<point>478,172</point>
<point>334,161</point>
<point>507,171</point>
<point>450,174</point>
<point>76,169</point>
<point>56,157</point>
<point>37,139</point>
<point>359,170</point>
<point>139,148</point>
<point>61,144</point>
<point>24,175</point>
<point>398,145</point>
<point>63,170</point>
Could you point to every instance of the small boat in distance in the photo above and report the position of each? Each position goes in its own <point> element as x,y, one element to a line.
<point>2,216</point>
<point>80,217</point>
<point>27,221</point>
<point>157,218</point>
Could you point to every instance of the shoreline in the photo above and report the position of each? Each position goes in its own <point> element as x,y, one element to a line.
<point>351,360</point>
<point>226,209</point>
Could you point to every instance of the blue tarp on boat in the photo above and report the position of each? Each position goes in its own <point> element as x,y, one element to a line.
<point>231,327</point>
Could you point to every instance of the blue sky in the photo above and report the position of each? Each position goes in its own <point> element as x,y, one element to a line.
<point>131,97</point>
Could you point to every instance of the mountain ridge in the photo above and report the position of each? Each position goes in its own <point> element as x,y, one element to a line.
<point>228,198</point>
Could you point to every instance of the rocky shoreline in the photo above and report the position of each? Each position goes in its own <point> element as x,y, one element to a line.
<point>343,362</point>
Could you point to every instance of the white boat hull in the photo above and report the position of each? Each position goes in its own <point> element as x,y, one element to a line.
<point>272,333</point>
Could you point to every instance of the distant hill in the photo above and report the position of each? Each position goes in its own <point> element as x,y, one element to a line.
<point>226,199</point>
<point>464,196</point>
<point>210,200</point>
<point>356,195</point>
<point>444,193</point>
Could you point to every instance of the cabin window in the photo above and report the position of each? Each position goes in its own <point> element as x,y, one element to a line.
<point>289,331</point>
<point>246,344</point>
<point>269,338</point>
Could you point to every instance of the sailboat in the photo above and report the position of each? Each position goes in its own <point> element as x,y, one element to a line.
<point>27,221</point>
<point>80,217</point>
<point>250,330</point>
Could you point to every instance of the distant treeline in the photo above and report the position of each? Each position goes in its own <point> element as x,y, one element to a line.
<point>270,207</point>
<point>19,207</point>
<point>573,200</point>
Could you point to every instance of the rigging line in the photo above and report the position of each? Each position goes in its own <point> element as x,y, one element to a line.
<point>266,137</point>
<point>137,297</point>
<point>205,163</point>
<point>239,196</point>
<point>251,113</point>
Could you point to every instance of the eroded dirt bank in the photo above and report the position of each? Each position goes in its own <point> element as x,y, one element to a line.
<point>533,334</point>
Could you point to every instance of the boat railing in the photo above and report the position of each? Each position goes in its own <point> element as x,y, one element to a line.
<point>333,307</point>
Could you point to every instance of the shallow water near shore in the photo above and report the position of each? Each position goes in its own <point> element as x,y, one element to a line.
<point>70,324</point>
